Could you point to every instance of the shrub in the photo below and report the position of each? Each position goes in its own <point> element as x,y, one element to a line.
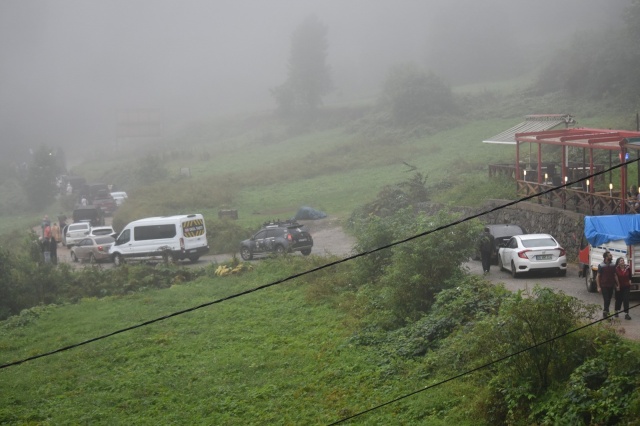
<point>605,390</point>
<point>409,275</point>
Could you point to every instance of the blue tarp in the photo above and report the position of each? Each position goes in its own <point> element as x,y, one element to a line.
<point>601,229</point>
<point>309,213</point>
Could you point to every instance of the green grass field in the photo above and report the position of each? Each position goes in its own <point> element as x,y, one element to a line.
<point>274,356</point>
<point>271,357</point>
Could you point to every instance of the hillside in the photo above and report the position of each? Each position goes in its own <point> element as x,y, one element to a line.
<point>314,349</point>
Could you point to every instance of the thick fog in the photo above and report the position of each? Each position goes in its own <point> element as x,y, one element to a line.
<point>68,68</point>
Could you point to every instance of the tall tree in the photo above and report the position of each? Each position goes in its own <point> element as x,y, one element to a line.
<point>412,94</point>
<point>40,184</point>
<point>309,76</point>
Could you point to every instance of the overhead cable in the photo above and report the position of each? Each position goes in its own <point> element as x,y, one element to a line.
<point>310,271</point>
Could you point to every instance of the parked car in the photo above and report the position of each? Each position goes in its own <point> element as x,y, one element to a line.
<point>532,252</point>
<point>501,234</point>
<point>98,231</point>
<point>105,202</point>
<point>75,232</point>
<point>277,238</point>
<point>120,197</point>
<point>168,238</point>
<point>91,214</point>
<point>94,249</point>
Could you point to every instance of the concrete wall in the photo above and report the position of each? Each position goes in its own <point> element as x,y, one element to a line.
<point>566,226</point>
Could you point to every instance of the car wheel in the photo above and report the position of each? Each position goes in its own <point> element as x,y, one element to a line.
<point>74,257</point>
<point>279,250</point>
<point>305,252</point>
<point>118,260</point>
<point>168,258</point>
<point>193,259</point>
<point>92,259</point>
<point>245,253</point>
<point>514,272</point>
<point>500,265</point>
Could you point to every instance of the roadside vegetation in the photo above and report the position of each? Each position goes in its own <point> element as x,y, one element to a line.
<point>327,345</point>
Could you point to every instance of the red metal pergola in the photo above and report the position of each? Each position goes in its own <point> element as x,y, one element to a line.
<point>587,139</point>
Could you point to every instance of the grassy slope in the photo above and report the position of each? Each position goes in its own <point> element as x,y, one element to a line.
<point>251,360</point>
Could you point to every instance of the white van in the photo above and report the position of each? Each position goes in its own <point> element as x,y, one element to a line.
<point>168,238</point>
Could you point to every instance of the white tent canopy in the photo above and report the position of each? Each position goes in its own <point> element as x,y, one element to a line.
<point>532,123</point>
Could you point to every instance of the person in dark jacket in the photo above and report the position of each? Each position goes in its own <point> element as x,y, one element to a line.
<point>486,245</point>
<point>623,271</point>
<point>607,281</point>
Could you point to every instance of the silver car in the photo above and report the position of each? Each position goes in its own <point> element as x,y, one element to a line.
<point>532,252</point>
<point>93,249</point>
<point>75,232</point>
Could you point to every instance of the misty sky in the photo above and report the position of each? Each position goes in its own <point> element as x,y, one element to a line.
<point>67,67</point>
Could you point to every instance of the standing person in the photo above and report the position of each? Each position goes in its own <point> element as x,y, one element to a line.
<point>45,223</point>
<point>46,251</point>
<point>486,244</point>
<point>632,196</point>
<point>53,250</point>
<point>607,281</point>
<point>623,290</point>
<point>55,232</point>
<point>62,219</point>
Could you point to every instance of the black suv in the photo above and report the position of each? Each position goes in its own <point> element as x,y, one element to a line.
<point>277,238</point>
<point>501,235</point>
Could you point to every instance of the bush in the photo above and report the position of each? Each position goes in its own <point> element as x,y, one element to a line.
<point>605,390</point>
<point>524,321</point>
<point>408,276</point>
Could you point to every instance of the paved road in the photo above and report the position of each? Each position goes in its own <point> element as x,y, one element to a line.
<point>572,285</point>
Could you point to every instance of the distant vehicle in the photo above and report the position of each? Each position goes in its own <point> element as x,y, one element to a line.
<point>168,238</point>
<point>277,238</point>
<point>100,231</point>
<point>89,191</point>
<point>501,234</point>
<point>74,233</point>
<point>93,248</point>
<point>105,201</point>
<point>532,252</point>
<point>76,182</point>
<point>91,214</point>
<point>120,197</point>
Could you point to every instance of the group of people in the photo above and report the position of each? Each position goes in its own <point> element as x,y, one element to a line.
<point>51,236</point>
<point>614,279</point>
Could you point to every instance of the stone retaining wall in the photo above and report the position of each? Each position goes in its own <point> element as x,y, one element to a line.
<point>566,226</point>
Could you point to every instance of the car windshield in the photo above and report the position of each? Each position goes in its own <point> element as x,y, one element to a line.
<point>104,240</point>
<point>538,242</point>
<point>102,231</point>
<point>505,231</point>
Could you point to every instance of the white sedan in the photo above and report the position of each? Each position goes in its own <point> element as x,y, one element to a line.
<point>532,252</point>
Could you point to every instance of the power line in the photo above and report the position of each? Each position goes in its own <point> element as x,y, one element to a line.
<point>473,370</point>
<point>310,271</point>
